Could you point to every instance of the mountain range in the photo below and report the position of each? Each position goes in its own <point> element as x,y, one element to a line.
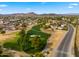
<point>34,14</point>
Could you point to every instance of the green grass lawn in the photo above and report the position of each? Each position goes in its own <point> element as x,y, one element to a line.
<point>12,44</point>
<point>43,38</point>
<point>36,31</point>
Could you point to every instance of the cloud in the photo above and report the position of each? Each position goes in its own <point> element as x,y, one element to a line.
<point>3,5</point>
<point>72,5</point>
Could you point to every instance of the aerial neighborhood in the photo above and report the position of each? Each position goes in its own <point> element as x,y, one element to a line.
<point>36,35</point>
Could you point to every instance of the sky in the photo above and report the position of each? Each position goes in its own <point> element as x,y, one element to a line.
<point>39,7</point>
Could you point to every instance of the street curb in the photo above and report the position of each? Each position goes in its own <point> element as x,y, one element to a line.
<point>71,49</point>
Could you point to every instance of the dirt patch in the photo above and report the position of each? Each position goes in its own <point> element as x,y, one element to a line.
<point>58,34</point>
<point>77,38</point>
<point>49,30</point>
<point>4,37</point>
<point>8,35</point>
<point>54,40</point>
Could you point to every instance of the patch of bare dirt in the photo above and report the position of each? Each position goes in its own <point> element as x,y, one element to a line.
<point>7,35</point>
<point>54,40</point>
<point>77,38</point>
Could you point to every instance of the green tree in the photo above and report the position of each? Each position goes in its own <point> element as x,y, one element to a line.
<point>36,42</point>
<point>39,54</point>
<point>3,32</point>
<point>21,38</point>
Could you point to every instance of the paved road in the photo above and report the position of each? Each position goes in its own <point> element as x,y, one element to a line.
<point>64,45</point>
